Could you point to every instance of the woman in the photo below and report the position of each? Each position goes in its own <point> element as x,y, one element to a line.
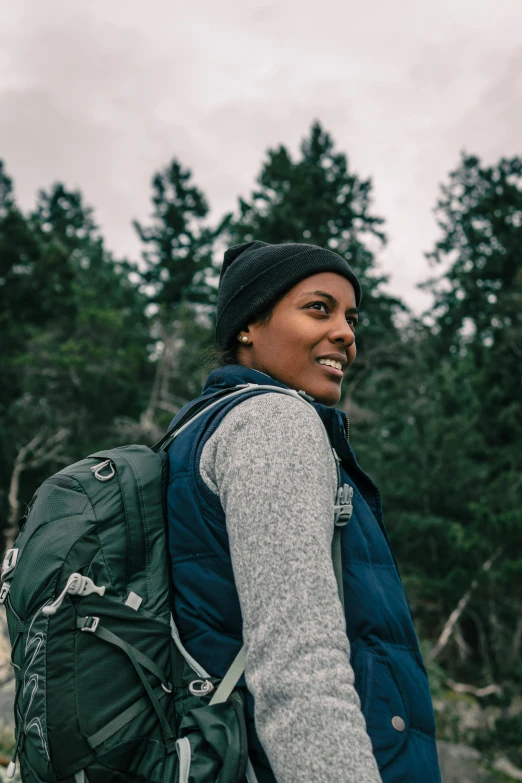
<point>333,695</point>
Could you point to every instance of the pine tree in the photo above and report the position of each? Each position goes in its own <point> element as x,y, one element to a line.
<point>176,276</point>
<point>317,199</point>
<point>479,308</point>
<point>77,342</point>
<point>477,376</point>
<point>178,254</point>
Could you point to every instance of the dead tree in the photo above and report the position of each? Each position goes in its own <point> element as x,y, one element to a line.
<point>43,448</point>
<point>452,620</point>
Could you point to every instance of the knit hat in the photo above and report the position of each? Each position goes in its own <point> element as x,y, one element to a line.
<point>255,274</point>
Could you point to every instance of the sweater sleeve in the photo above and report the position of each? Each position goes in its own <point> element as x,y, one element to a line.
<point>271,464</point>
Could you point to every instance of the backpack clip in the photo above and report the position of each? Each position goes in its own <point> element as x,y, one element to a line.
<point>201,687</point>
<point>96,469</point>
<point>91,624</point>
<point>10,558</point>
<point>305,396</point>
<point>343,508</point>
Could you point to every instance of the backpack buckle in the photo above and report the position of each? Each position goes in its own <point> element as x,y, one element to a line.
<point>4,592</point>
<point>10,558</point>
<point>91,624</point>
<point>343,508</point>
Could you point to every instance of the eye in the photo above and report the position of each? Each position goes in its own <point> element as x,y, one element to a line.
<point>321,304</point>
<point>351,319</point>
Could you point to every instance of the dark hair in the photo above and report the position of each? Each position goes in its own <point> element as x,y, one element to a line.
<point>219,357</point>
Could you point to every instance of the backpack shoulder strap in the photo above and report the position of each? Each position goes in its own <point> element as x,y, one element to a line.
<point>342,515</point>
<point>204,403</point>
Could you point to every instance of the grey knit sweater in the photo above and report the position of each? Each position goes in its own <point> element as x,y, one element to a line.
<point>271,464</point>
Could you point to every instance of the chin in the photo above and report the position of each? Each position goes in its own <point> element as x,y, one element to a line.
<point>329,397</point>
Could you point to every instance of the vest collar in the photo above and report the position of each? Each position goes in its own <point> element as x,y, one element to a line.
<point>235,374</point>
<point>333,419</point>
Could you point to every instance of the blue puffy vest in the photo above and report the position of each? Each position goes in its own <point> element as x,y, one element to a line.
<point>390,677</point>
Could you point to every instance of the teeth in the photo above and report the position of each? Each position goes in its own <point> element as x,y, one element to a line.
<point>331,363</point>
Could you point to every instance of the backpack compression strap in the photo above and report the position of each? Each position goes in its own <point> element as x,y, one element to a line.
<point>237,668</point>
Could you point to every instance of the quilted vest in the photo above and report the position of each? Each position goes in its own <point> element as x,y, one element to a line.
<point>390,677</point>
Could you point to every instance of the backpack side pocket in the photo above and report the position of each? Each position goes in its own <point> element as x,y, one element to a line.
<point>213,743</point>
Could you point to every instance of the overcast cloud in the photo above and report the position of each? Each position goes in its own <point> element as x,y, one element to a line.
<point>100,93</point>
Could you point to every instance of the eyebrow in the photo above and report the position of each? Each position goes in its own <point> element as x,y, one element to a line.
<point>331,299</point>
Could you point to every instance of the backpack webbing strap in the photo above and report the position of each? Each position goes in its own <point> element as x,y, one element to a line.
<point>237,668</point>
<point>204,405</point>
<point>132,654</point>
<point>196,407</point>
<point>180,650</point>
<point>250,774</point>
<point>230,680</point>
<point>111,638</point>
<point>121,720</point>
<point>337,562</point>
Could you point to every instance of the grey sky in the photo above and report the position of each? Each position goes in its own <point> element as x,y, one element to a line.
<point>100,93</point>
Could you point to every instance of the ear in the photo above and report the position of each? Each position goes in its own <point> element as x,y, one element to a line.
<point>245,336</point>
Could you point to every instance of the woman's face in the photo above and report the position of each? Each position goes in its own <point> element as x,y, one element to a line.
<point>315,320</point>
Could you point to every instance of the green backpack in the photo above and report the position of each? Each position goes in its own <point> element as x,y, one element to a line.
<point>105,692</point>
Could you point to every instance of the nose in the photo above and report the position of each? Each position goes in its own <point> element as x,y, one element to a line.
<point>342,332</point>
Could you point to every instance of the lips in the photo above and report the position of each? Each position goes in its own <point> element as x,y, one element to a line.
<point>333,371</point>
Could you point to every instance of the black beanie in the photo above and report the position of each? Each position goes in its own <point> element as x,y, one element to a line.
<point>255,274</point>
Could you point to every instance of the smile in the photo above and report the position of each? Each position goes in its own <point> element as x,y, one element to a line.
<point>333,371</point>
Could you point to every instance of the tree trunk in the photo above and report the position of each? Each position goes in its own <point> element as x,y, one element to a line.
<point>41,449</point>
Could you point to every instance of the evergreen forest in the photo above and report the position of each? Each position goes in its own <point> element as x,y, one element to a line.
<point>98,350</point>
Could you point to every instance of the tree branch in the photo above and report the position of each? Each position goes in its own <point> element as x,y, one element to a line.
<point>462,687</point>
<point>463,646</point>
<point>159,397</point>
<point>515,644</point>
<point>37,452</point>
<point>503,764</point>
<point>456,613</point>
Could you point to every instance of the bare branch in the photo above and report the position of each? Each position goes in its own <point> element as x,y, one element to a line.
<point>37,452</point>
<point>167,406</point>
<point>159,397</point>
<point>463,646</point>
<point>462,687</point>
<point>48,449</point>
<point>502,764</point>
<point>483,639</point>
<point>515,644</point>
<point>18,468</point>
<point>456,613</point>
